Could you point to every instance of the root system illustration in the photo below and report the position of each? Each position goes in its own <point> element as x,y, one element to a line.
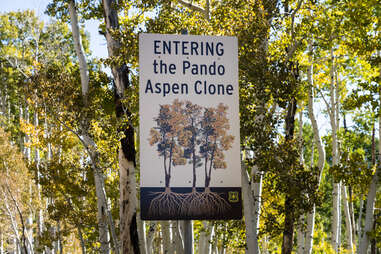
<point>165,203</point>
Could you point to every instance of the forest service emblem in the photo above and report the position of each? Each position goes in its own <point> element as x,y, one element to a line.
<point>233,196</point>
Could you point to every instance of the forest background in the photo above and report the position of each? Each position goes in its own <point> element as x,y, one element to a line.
<point>69,167</point>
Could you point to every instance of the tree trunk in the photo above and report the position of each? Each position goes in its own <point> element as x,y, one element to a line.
<point>166,237</point>
<point>352,213</point>
<point>289,209</point>
<point>1,243</point>
<point>128,226</point>
<point>369,214</point>
<point>204,246</point>
<point>150,236</point>
<point>40,219</point>
<point>336,186</point>
<point>249,209</point>
<point>320,148</point>
<point>83,70</point>
<point>103,215</point>
<point>256,177</point>
<point>300,232</point>
<point>288,231</point>
<point>177,238</point>
<point>142,234</point>
<point>83,245</point>
<point>359,224</point>
<point>348,221</point>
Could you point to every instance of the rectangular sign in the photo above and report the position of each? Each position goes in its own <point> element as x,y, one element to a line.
<point>189,127</point>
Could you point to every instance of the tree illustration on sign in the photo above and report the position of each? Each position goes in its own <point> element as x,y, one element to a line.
<point>190,139</point>
<point>186,132</point>
<point>215,140</point>
<point>165,135</point>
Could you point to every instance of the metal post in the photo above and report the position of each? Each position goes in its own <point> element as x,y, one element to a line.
<point>188,237</point>
<point>188,225</point>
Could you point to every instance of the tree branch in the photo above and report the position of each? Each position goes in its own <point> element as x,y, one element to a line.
<point>191,6</point>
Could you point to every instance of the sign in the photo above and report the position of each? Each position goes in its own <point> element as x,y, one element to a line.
<point>189,127</point>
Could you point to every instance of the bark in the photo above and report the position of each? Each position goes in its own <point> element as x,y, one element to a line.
<point>205,237</point>
<point>288,231</point>
<point>188,236</point>
<point>371,198</point>
<point>352,214</point>
<point>23,228</point>
<point>336,186</point>
<point>300,232</point>
<point>166,237</point>
<point>289,208</point>
<point>79,50</point>
<point>1,243</point>
<point>348,221</point>
<point>321,152</point>
<point>40,218</point>
<point>12,219</point>
<point>128,225</point>
<point>369,214</point>
<point>150,237</point>
<point>177,238</point>
<point>256,189</point>
<point>103,215</point>
<point>300,236</point>
<point>249,209</point>
<point>359,225</point>
<point>142,234</point>
<point>83,246</point>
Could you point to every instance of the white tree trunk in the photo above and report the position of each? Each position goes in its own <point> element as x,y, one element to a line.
<point>40,216</point>
<point>79,49</point>
<point>321,152</point>
<point>248,209</point>
<point>166,237</point>
<point>371,199</point>
<point>202,239</point>
<point>336,186</point>
<point>257,178</point>
<point>1,243</point>
<point>177,238</point>
<point>300,236</point>
<point>348,221</point>
<point>150,236</point>
<point>300,233</point>
<point>128,230</point>
<point>369,214</point>
<point>359,223</point>
<point>142,234</point>
<point>204,246</point>
<point>103,215</point>
<point>12,219</point>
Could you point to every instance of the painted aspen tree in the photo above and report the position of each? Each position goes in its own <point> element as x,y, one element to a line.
<point>167,133</point>
<point>191,138</point>
<point>214,127</point>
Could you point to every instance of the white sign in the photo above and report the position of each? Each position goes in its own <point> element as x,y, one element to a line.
<point>189,127</point>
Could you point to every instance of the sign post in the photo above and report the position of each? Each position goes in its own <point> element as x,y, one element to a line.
<point>189,127</point>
